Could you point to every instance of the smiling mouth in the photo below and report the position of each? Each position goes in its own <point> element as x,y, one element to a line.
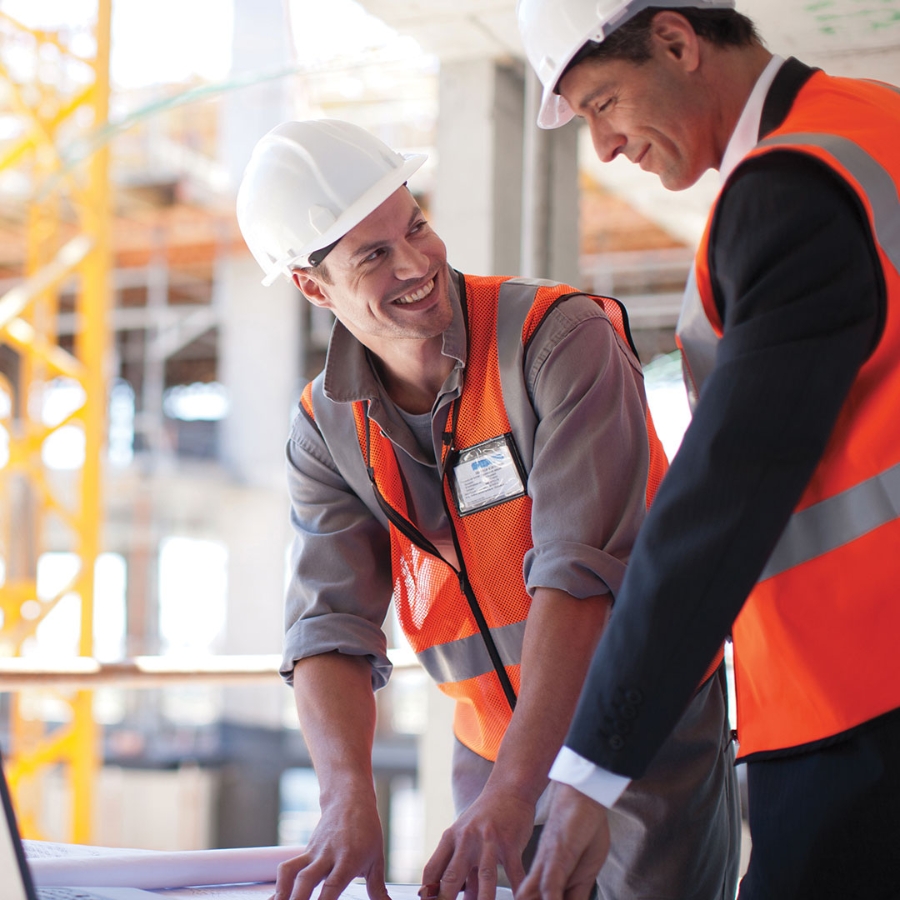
<point>415,296</point>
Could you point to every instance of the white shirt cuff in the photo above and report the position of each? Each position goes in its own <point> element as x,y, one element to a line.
<point>599,784</point>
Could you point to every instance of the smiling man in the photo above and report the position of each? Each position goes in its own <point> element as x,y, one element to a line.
<point>780,517</point>
<point>477,449</point>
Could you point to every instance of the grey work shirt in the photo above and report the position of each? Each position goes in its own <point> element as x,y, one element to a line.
<point>587,481</point>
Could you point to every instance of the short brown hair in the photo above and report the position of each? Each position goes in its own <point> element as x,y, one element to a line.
<point>631,41</point>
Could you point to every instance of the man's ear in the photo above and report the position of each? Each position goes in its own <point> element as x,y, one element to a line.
<point>310,287</point>
<point>675,37</point>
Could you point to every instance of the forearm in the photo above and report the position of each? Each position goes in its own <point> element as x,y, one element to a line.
<point>560,638</point>
<point>336,707</point>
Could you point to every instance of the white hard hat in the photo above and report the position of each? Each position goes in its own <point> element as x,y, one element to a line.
<point>308,183</point>
<point>553,31</point>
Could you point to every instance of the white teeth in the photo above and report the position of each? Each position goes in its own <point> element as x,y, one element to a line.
<point>423,291</point>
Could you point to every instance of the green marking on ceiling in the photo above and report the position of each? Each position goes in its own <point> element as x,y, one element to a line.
<point>834,17</point>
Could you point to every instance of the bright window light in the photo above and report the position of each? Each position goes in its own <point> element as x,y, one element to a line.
<point>193,585</point>
<point>59,632</point>
<point>199,47</point>
<point>121,423</point>
<point>190,402</point>
<point>54,572</point>
<point>60,398</point>
<point>667,398</point>
<point>109,607</point>
<point>64,448</point>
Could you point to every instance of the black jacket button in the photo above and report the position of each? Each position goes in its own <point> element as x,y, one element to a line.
<point>616,742</point>
<point>634,697</point>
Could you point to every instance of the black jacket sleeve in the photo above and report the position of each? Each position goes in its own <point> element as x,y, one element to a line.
<point>801,295</point>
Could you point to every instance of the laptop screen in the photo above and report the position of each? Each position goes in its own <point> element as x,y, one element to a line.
<point>13,872</point>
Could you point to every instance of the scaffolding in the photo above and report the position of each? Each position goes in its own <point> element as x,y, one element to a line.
<point>57,160</point>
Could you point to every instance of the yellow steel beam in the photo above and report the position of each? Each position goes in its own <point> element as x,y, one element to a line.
<point>28,317</point>
<point>15,300</point>
<point>92,349</point>
<point>24,336</point>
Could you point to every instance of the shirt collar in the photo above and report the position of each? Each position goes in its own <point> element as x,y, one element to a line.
<point>746,133</point>
<point>348,372</point>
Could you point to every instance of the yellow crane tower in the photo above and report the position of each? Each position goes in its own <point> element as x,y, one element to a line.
<point>59,98</point>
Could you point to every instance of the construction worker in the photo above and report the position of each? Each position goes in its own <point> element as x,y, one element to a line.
<point>464,430</point>
<point>778,521</point>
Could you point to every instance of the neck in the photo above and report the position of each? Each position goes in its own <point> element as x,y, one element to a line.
<point>734,72</point>
<point>414,377</point>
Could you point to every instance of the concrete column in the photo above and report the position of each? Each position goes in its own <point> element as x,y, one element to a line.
<point>562,209</point>
<point>260,44</point>
<point>258,352</point>
<point>257,531</point>
<point>259,336</point>
<point>478,197</point>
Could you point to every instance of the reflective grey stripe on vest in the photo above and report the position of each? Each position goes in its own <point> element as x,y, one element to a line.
<point>513,306</point>
<point>884,84</point>
<point>697,339</point>
<point>468,657</point>
<point>837,521</point>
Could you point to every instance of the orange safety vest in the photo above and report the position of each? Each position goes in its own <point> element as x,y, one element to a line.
<point>466,625</point>
<point>815,645</point>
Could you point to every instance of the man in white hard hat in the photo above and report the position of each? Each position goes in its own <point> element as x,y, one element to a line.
<point>464,430</point>
<point>779,521</point>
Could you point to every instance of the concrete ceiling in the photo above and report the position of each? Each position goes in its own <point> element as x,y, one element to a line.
<point>857,38</point>
<point>846,36</point>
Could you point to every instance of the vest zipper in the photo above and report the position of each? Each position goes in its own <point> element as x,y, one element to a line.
<point>405,527</point>
<point>508,690</point>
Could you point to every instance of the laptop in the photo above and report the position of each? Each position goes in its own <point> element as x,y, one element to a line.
<point>15,876</point>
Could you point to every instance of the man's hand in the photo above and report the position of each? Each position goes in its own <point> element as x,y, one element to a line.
<point>573,848</point>
<point>346,844</point>
<point>492,831</point>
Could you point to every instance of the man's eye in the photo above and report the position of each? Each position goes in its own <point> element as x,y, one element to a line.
<point>418,227</point>
<point>606,106</point>
<point>375,254</point>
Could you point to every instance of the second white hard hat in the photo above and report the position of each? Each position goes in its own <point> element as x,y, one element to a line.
<point>308,183</point>
<point>553,31</point>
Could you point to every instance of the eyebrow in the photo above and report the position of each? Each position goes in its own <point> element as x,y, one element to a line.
<point>366,249</point>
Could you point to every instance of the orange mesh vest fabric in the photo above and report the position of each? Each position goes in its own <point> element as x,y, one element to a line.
<point>815,644</point>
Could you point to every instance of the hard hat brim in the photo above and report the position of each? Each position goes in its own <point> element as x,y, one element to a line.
<point>555,110</point>
<point>359,209</point>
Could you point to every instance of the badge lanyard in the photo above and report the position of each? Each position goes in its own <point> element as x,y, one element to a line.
<point>405,527</point>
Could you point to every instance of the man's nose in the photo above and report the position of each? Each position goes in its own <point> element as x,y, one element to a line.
<point>608,143</point>
<point>409,261</point>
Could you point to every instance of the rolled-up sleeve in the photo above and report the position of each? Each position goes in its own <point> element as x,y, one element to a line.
<point>339,587</point>
<point>589,476</point>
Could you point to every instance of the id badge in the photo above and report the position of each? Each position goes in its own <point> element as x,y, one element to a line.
<point>487,474</point>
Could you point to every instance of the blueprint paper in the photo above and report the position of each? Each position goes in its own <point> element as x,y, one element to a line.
<point>219,892</point>
<point>160,869</point>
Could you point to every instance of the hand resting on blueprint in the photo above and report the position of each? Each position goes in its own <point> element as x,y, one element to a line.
<point>492,831</point>
<point>346,844</point>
